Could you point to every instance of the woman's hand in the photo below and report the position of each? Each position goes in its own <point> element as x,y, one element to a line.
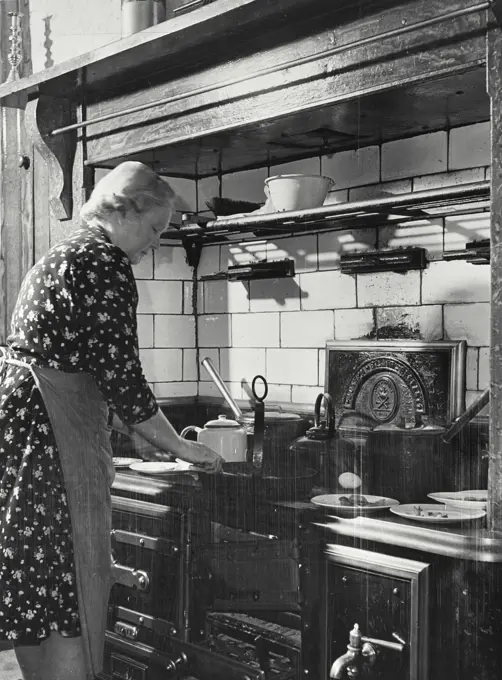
<point>166,442</point>
<point>200,455</point>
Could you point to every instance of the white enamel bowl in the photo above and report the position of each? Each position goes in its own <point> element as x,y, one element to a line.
<point>298,192</point>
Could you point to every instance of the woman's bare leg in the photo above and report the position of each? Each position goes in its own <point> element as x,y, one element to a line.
<point>29,658</point>
<point>63,659</point>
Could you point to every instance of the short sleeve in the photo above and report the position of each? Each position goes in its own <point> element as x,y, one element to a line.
<point>107,301</point>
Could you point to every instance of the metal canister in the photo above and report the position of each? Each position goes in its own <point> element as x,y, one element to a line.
<point>136,16</point>
<point>162,10</point>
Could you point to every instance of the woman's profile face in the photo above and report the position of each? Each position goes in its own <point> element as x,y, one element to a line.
<point>141,232</point>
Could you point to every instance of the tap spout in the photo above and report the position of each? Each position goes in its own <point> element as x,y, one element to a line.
<point>353,651</point>
<point>340,664</point>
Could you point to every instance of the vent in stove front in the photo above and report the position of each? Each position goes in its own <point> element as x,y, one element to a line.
<point>400,383</point>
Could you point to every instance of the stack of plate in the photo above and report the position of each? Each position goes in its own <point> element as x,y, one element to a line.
<point>456,506</point>
<point>468,500</point>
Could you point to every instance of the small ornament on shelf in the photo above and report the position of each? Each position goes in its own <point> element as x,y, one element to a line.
<point>15,56</point>
<point>136,16</point>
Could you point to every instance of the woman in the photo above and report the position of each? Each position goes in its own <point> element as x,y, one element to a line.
<point>72,359</point>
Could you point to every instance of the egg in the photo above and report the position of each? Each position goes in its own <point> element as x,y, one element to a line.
<point>348,480</point>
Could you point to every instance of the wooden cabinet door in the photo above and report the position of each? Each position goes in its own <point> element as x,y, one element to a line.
<point>388,598</point>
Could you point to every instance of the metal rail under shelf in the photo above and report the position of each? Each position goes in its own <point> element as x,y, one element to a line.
<point>374,213</point>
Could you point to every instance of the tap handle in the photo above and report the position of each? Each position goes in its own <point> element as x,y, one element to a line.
<point>355,637</point>
<point>386,644</point>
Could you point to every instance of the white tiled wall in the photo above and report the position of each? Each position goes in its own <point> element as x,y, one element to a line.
<point>59,33</point>
<point>166,322</point>
<point>281,326</point>
<point>59,30</point>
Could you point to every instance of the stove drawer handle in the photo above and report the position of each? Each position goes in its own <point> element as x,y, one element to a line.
<point>127,576</point>
<point>126,630</point>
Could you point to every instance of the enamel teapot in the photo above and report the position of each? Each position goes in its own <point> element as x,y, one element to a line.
<point>225,436</point>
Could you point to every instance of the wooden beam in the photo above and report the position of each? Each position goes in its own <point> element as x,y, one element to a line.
<point>495,448</point>
<point>16,181</point>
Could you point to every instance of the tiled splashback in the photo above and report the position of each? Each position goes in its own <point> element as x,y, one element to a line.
<point>279,328</point>
<point>166,322</point>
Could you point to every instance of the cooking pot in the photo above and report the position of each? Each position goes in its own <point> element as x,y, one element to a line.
<point>280,428</point>
<point>225,436</point>
<point>254,479</point>
<point>403,463</point>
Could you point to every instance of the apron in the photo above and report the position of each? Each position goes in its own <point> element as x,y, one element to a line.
<point>78,416</point>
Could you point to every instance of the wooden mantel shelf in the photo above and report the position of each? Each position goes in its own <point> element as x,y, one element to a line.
<point>239,84</point>
<point>151,49</point>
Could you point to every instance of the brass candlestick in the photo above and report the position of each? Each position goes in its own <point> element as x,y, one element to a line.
<point>16,46</point>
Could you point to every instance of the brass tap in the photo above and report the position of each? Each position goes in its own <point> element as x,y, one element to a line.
<point>361,649</point>
<point>353,650</point>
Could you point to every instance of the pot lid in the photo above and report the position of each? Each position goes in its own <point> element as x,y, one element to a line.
<point>222,422</point>
<point>273,417</point>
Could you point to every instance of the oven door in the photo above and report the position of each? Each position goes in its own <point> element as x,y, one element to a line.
<point>253,575</point>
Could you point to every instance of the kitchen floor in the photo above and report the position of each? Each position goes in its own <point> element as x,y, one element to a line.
<point>9,669</point>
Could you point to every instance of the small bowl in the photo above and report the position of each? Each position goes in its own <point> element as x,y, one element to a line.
<point>298,192</point>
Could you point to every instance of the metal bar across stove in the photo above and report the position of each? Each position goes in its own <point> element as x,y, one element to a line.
<point>369,209</point>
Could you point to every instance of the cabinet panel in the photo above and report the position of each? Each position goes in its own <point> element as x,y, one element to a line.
<point>387,598</point>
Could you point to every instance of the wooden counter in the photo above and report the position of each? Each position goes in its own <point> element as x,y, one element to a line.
<point>470,541</point>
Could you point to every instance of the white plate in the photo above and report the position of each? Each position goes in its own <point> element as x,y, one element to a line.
<point>333,501</point>
<point>454,515</point>
<point>477,499</point>
<point>124,462</point>
<point>152,468</point>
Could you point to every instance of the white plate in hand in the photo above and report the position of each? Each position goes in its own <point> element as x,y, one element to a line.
<point>432,513</point>
<point>153,468</point>
<point>335,502</point>
<point>470,500</point>
<point>122,462</point>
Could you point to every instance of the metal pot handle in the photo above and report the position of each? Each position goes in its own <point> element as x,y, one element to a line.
<point>190,428</point>
<point>329,411</point>
<point>259,426</point>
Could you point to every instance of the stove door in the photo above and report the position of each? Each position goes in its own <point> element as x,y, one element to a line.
<point>253,575</point>
<point>149,565</point>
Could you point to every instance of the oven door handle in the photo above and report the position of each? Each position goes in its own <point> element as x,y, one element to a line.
<point>127,576</point>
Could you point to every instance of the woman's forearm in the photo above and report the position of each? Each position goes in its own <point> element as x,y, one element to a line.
<point>159,432</point>
<point>119,426</point>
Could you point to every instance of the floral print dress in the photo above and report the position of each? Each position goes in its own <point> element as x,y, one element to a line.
<point>76,312</point>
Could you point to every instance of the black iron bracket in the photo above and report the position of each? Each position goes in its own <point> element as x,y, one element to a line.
<point>193,249</point>
<point>263,269</point>
<point>476,252</point>
<point>400,260</point>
